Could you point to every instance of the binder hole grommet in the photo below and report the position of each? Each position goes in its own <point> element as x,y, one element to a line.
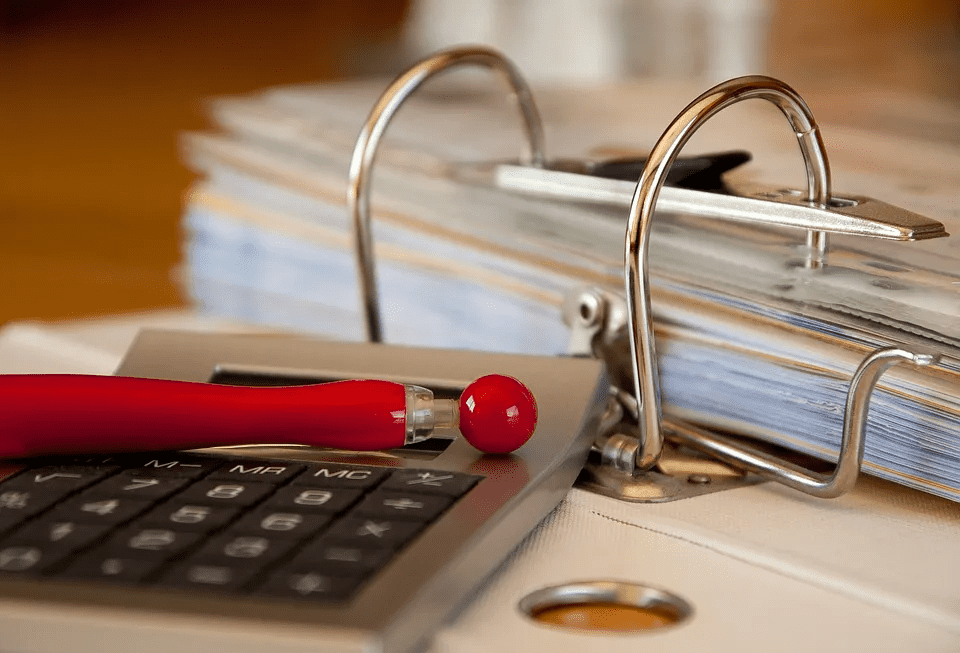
<point>365,151</point>
<point>605,607</point>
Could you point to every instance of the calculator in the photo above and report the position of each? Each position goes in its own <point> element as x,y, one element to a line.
<point>278,547</point>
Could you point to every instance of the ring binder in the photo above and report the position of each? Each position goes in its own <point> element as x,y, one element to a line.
<point>365,150</point>
<point>818,213</point>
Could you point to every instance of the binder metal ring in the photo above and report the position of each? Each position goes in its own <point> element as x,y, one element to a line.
<point>642,343</point>
<point>365,151</point>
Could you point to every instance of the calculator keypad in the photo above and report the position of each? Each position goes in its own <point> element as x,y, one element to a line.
<point>312,532</point>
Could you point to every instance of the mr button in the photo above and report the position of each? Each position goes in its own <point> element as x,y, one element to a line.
<point>269,471</point>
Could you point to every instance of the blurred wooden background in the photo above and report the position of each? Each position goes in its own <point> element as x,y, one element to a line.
<point>93,95</point>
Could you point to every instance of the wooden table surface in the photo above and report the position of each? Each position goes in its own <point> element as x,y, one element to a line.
<point>92,97</point>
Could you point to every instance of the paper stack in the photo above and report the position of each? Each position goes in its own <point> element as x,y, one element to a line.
<point>749,339</point>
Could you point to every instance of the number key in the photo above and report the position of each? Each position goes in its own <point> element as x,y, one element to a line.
<point>313,499</point>
<point>189,517</point>
<point>27,559</point>
<point>100,510</point>
<point>139,485</point>
<point>227,493</point>
<point>277,523</point>
<point>151,542</point>
<point>202,575</point>
<point>233,550</point>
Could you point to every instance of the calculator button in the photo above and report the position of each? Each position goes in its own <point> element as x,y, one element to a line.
<point>174,465</point>
<point>430,482</point>
<point>104,565</point>
<point>159,543</point>
<point>258,470</point>
<point>406,505</point>
<point>17,504</point>
<point>323,500</point>
<point>201,575</point>
<point>242,550</point>
<point>226,493</point>
<point>350,477</point>
<point>278,523</point>
<point>189,517</point>
<point>308,585</point>
<point>100,510</point>
<point>67,535</point>
<point>59,480</point>
<point>340,559</point>
<point>373,532</point>
<point>139,485</point>
<point>28,559</point>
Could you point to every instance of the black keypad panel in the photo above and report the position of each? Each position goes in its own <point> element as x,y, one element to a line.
<point>303,531</point>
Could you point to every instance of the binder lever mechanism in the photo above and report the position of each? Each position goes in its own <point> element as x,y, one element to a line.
<point>652,424</point>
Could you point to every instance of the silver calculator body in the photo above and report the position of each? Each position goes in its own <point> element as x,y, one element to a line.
<point>400,607</point>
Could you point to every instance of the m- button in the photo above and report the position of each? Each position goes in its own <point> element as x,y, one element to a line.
<point>344,476</point>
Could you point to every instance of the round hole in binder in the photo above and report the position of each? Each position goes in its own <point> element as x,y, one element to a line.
<point>605,606</point>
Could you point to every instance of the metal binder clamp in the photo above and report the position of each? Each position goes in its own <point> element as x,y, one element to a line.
<point>592,313</point>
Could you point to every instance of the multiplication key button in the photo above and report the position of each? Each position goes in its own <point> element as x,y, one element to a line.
<point>373,532</point>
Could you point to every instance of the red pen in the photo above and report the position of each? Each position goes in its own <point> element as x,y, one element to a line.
<point>74,414</point>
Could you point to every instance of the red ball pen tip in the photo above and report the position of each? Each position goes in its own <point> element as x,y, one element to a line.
<point>497,414</point>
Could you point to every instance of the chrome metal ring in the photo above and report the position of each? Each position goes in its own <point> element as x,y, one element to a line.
<point>642,344</point>
<point>643,350</point>
<point>365,150</point>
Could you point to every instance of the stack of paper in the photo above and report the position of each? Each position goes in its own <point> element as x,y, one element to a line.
<point>749,338</point>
